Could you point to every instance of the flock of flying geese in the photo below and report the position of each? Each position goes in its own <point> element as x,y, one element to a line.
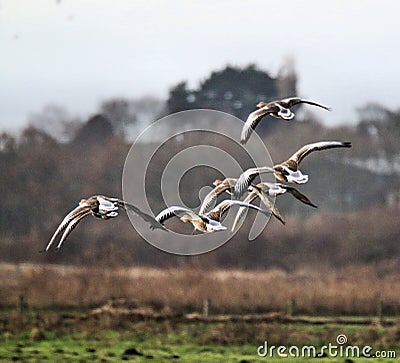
<point>209,218</point>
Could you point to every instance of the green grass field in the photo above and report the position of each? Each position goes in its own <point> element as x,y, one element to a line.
<point>77,337</point>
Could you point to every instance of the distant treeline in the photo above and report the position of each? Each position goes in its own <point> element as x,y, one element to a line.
<point>44,175</point>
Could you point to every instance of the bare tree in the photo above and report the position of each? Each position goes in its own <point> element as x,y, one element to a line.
<point>55,121</point>
<point>120,113</point>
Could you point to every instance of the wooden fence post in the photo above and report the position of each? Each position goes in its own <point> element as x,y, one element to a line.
<point>206,307</point>
<point>291,307</point>
<point>379,309</point>
<point>21,303</point>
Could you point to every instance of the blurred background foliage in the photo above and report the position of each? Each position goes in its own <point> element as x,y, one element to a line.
<point>59,159</point>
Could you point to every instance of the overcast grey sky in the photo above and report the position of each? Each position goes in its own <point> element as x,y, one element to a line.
<point>76,53</point>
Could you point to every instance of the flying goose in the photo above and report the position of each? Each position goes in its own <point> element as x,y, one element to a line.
<point>265,190</point>
<point>286,171</point>
<point>278,109</point>
<point>209,222</point>
<point>98,206</point>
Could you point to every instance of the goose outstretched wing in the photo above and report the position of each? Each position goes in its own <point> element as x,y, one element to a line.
<point>174,211</point>
<point>75,213</point>
<point>292,101</point>
<point>253,120</point>
<point>299,155</point>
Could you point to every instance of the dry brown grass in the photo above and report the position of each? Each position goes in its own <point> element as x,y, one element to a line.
<point>331,292</point>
